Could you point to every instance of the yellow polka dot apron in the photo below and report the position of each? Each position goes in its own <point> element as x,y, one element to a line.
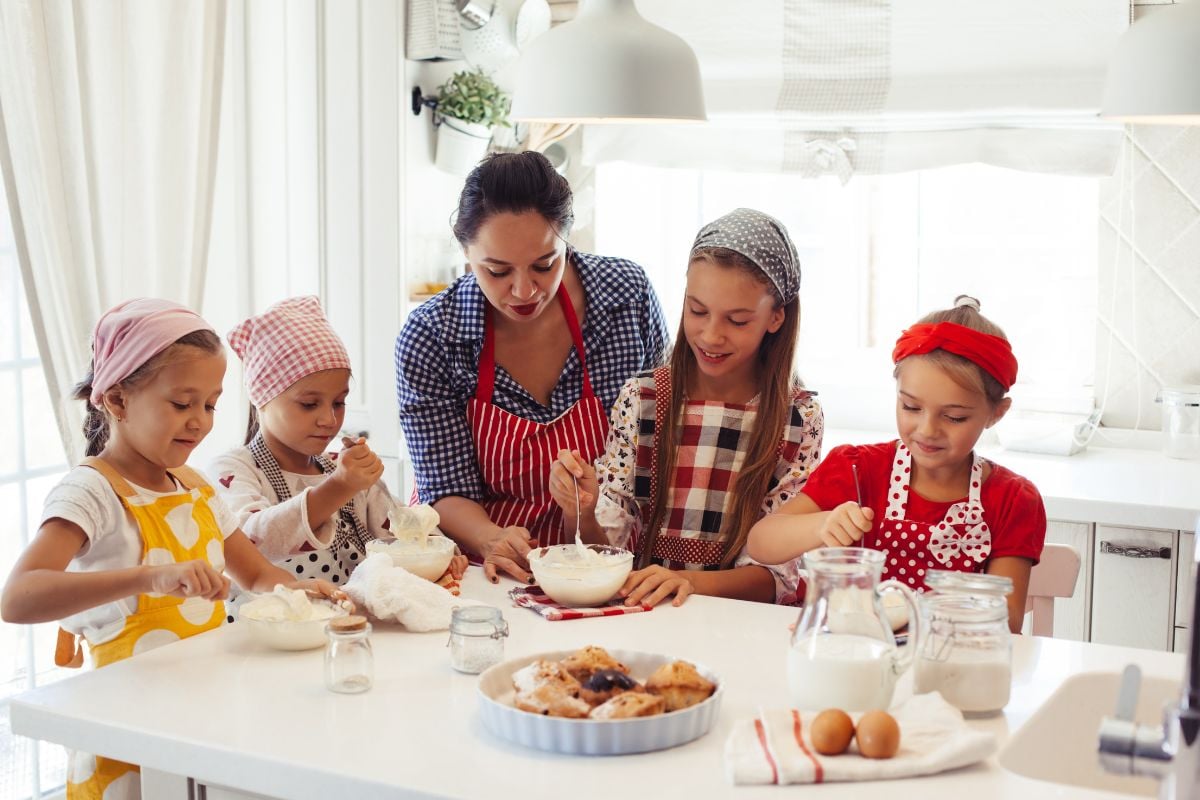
<point>174,528</point>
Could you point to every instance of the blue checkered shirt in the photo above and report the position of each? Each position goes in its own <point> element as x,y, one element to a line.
<point>437,367</point>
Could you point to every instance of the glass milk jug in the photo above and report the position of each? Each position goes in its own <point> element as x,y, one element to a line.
<point>842,653</point>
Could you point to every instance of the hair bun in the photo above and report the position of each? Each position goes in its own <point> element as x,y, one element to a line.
<point>966,300</point>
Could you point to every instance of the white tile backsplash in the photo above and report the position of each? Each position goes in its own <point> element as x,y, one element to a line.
<point>1154,328</point>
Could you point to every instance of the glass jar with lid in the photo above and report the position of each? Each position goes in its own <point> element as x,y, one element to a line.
<point>349,661</point>
<point>477,636</point>
<point>966,649</point>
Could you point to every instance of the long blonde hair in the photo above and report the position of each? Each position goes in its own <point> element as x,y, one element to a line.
<point>776,353</point>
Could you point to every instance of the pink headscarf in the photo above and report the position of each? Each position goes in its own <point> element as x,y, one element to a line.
<point>131,334</point>
<point>288,341</point>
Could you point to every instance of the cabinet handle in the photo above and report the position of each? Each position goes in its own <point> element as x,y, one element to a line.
<point>1133,551</point>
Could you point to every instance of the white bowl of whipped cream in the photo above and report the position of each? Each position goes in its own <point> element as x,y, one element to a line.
<point>288,619</point>
<point>426,558</point>
<point>580,575</point>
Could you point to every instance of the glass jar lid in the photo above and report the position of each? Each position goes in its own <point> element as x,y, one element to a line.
<point>1187,396</point>
<point>478,621</point>
<point>976,583</point>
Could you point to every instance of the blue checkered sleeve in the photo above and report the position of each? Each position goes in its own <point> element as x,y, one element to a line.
<point>433,415</point>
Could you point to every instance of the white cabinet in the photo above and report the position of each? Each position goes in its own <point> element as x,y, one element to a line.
<point>1133,587</point>
<point>1072,615</point>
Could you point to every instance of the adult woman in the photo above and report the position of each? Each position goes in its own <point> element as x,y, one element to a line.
<point>519,359</point>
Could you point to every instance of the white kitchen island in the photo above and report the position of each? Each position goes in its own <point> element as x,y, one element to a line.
<point>220,711</point>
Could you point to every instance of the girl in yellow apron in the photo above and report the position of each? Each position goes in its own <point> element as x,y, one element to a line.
<point>132,548</point>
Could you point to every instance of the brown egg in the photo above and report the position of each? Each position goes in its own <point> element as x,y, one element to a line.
<point>831,732</point>
<point>878,735</point>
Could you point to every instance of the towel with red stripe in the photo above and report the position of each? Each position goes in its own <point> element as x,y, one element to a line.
<point>533,598</point>
<point>775,748</point>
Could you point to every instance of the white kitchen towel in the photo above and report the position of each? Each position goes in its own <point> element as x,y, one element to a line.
<point>393,593</point>
<point>775,748</point>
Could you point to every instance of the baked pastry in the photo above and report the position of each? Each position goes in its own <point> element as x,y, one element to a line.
<point>542,673</point>
<point>629,704</point>
<point>583,662</point>
<point>604,684</point>
<point>552,700</point>
<point>679,685</point>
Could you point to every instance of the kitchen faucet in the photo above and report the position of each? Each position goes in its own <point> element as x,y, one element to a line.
<point>1170,752</point>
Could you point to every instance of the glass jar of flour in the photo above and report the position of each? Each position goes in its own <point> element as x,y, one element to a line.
<point>966,650</point>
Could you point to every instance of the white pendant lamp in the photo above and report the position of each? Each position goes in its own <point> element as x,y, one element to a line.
<point>608,65</point>
<point>1154,73</point>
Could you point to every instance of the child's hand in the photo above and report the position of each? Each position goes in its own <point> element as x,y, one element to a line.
<point>569,467</point>
<point>316,586</point>
<point>654,584</point>
<point>189,579</point>
<point>846,525</point>
<point>357,467</point>
<point>458,566</point>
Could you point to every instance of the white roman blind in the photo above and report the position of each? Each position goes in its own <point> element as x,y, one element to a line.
<point>876,86</point>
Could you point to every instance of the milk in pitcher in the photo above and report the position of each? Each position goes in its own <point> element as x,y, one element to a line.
<point>854,673</point>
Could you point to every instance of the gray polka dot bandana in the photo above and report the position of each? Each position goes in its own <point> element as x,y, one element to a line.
<point>760,238</point>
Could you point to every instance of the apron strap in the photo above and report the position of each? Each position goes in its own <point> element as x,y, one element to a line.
<point>118,483</point>
<point>68,652</point>
<point>188,478</point>
<point>487,356</point>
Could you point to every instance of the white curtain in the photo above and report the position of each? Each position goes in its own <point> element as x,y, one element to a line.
<point>872,86</point>
<point>109,113</point>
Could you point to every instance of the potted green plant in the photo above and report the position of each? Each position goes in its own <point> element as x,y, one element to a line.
<point>469,105</point>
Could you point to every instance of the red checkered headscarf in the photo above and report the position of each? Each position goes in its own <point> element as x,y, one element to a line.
<point>290,340</point>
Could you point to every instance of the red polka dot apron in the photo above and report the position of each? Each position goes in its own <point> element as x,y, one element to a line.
<point>960,541</point>
<point>174,528</point>
<point>515,454</point>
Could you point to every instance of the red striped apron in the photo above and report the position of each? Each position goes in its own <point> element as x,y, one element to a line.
<point>515,454</point>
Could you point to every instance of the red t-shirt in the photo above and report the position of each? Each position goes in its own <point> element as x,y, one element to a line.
<point>1012,506</point>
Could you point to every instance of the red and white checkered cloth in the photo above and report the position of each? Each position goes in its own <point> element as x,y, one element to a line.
<point>290,340</point>
<point>532,597</point>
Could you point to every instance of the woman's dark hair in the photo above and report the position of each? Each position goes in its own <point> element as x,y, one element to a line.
<point>95,424</point>
<point>513,183</point>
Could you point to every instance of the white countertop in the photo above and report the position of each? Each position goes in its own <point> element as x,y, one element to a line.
<point>1108,485</point>
<point>221,708</point>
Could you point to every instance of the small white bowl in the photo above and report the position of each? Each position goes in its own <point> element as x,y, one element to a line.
<point>593,737</point>
<point>305,634</point>
<point>428,562</point>
<point>582,583</point>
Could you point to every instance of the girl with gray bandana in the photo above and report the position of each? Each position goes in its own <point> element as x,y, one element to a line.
<point>702,448</point>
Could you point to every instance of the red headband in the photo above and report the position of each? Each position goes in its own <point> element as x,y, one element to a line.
<point>993,354</point>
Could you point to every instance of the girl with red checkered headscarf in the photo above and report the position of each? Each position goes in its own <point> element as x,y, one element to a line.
<point>309,512</point>
<point>927,499</point>
<point>699,449</point>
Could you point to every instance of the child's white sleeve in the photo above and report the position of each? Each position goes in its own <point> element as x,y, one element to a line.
<point>85,498</point>
<point>279,530</point>
<point>617,511</point>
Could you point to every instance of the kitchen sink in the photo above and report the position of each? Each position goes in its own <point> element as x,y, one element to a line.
<point>1058,743</point>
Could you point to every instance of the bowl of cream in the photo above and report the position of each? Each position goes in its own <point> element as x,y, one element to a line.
<point>288,619</point>
<point>426,557</point>
<point>580,575</point>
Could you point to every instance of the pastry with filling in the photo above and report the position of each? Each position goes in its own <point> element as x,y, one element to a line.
<point>605,684</point>
<point>585,661</point>
<point>543,673</point>
<point>679,685</point>
<point>552,700</point>
<point>629,704</point>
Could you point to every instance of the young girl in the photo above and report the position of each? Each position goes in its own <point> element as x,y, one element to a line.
<point>700,449</point>
<point>132,545</point>
<point>929,501</point>
<point>310,514</point>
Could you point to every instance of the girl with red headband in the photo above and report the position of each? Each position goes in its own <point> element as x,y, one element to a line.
<point>928,500</point>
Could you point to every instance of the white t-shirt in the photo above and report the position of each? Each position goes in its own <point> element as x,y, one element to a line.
<point>86,498</point>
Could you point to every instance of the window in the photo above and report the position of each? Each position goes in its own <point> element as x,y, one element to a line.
<point>31,462</point>
<point>879,253</point>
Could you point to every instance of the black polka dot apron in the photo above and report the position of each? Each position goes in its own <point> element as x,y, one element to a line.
<point>960,541</point>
